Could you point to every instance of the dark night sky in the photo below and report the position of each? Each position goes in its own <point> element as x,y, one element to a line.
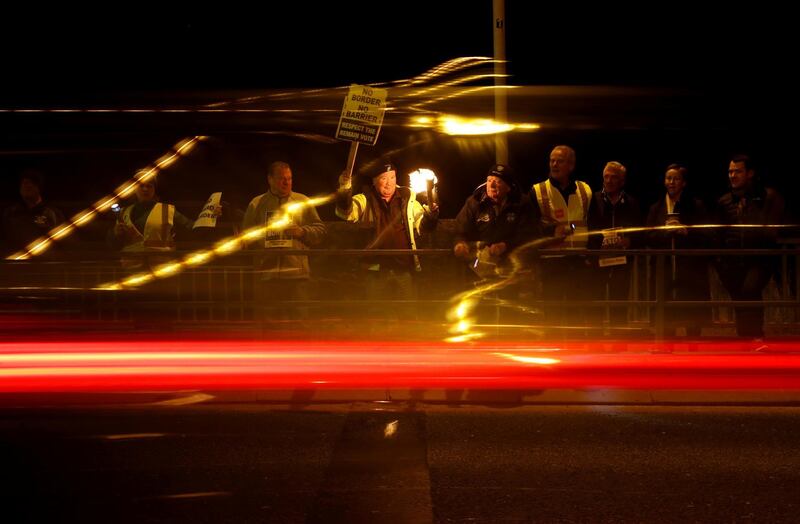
<point>740,59</point>
<point>294,44</point>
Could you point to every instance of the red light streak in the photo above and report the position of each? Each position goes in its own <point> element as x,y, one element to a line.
<point>95,366</point>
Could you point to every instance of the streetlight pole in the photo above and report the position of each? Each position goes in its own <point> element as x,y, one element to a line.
<point>500,108</point>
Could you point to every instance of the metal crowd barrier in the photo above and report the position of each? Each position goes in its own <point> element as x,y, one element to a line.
<point>226,291</point>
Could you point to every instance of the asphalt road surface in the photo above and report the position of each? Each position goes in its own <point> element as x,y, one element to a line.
<point>386,462</point>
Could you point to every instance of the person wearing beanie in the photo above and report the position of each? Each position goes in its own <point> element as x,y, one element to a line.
<point>30,219</point>
<point>494,220</point>
<point>397,219</point>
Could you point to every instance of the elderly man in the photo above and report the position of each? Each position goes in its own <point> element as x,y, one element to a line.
<point>613,209</point>
<point>398,219</point>
<point>284,277</point>
<point>495,219</point>
<point>560,209</point>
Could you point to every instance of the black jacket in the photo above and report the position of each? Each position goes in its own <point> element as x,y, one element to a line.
<point>22,225</point>
<point>605,215</point>
<point>691,211</point>
<point>479,221</point>
<point>758,205</point>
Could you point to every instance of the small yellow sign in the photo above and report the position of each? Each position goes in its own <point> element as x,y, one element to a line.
<point>362,114</point>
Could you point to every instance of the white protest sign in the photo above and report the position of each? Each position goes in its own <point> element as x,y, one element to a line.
<point>362,114</point>
<point>277,238</point>
<point>208,216</point>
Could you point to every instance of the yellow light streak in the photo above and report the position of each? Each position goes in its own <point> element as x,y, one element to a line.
<point>167,269</point>
<point>466,302</point>
<point>82,218</point>
<point>224,247</point>
<point>453,125</point>
<point>137,280</point>
<point>198,258</point>
<point>543,361</point>
<point>462,126</point>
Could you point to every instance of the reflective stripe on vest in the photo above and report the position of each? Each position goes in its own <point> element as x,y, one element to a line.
<point>551,203</point>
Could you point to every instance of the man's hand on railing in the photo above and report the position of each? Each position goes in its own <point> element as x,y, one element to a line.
<point>680,229</point>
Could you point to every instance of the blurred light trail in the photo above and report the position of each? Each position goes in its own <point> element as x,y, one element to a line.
<point>460,315</point>
<point>40,245</point>
<point>114,365</point>
<point>461,126</point>
<point>446,68</point>
<point>461,92</point>
<point>222,248</point>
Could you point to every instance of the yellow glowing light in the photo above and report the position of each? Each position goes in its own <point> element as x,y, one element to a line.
<point>419,180</point>
<point>61,231</point>
<point>87,215</point>
<point>39,247</point>
<point>143,175</point>
<point>457,81</point>
<point>279,223</point>
<point>83,217</point>
<point>253,234</point>
<point>167,269</point>
<point>227,246</point>
<point>137,280</point>
<point>422,121</point>
<point>463,338</point>
<point>165,161</point>
<point>450,66</point>
<point>390,429</point>
<point>197,259</point>
<point>126,189</point>
<point>463,308</point>
<point>294,207</point>
<point>453,125</point>
<point>318,201</point>
<point>457,94</point>
<point>463,326</point>
<point>458,314</point>
<point>544,361</point>
<point>109,287</point>
<point>104,204</point>
<point>462,126</point>
<point>221,248</point>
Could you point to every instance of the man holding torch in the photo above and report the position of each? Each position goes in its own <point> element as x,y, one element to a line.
<point>398,218</point>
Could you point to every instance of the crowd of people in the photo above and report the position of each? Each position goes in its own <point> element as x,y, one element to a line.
<point>568,214</point>
<point>552,222</point>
